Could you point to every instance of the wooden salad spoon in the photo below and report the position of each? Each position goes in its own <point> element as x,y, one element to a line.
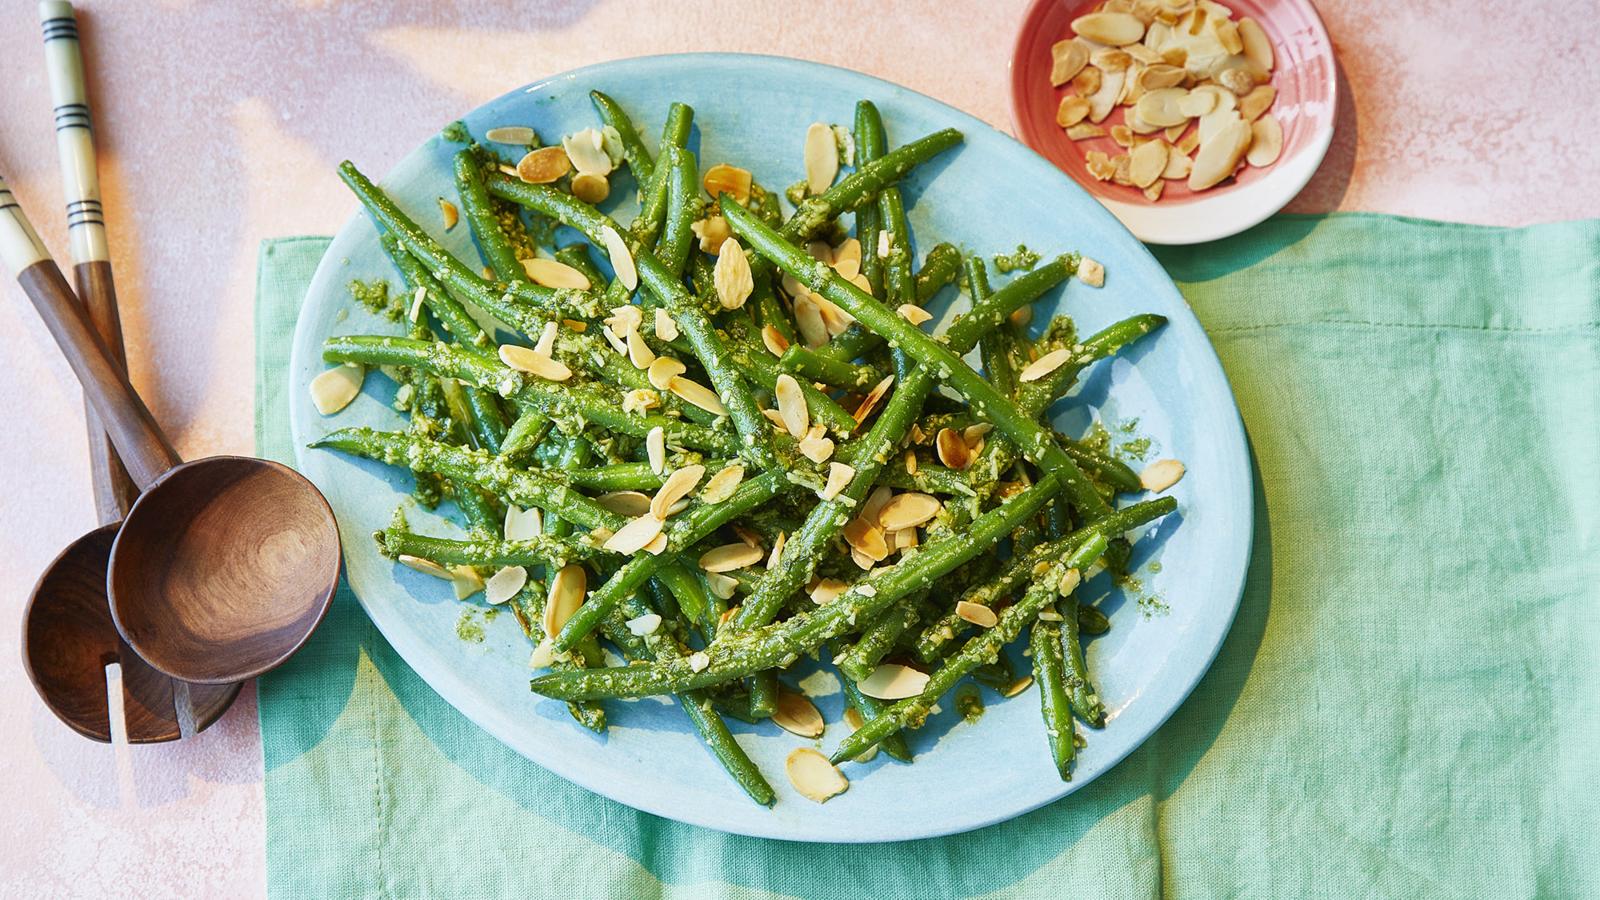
<point>224,566</point>
<point>68,635</point>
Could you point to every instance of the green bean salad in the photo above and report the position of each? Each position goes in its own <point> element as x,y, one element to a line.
<point>708,440</point>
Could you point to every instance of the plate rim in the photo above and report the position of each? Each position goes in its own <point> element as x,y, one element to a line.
<point>455,691</point>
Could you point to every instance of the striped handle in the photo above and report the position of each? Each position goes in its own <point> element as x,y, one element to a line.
<point>20,246</point>
<point>86,224</point>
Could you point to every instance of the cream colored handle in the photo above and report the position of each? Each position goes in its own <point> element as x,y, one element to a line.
<point>80,176</point>
<point>20,246</point>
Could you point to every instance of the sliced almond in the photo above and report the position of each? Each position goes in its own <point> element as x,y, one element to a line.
<point>1110,59</point>
<point>1257,46</point>
<point>1177,165</point>
<point>870,402</point>
<point>853,717</point>
<point>911,462</point>
<point>725,179</point>
<point>1111,28</point>
<point>1099,164</point>
<point>1120,167</point>
<point>1220,157</point>
<point>1046,364</point>
<point>1266,141</point>
<point>448,213</point>
<point>621,259</point>
<point>524,360</point>
<point>908,510</point>
<point>729,557</point>
<point>1223,99</point>
<point>1070,579</point>
<point>546,345</point>
<point>511,134</point>
<point>813,776</point>
<point>1253,104</point>
<point>662,370</point>
<point>839,476</point>
<point>1091,272</point>
<point>862,561</point>
<point>1131,91</point>
<point>1160,75</point>
<point>639,352</point>
<point>543,165</point>
<point>1188,143</point>
<point>892,681</point>
<point>1143,56</point>
<point>657,545</point>
<point>1104,99</point>
<point>848,251</point>
<point>632,537</point>
<point>821,157</point>
<point>643,625</point>
<point>1236,79</point>
<point>774,418</point>
<point>792,405</point>
<point>731,275</point>
<point>1228,36</point>
<point>590,188</point>
<point>874,504</point>
<point>677,486</point>
<point>697,394</point>
<point>1197,103</point>
<point>1153,191</point>
<point>1147,162</point>
<point>1018,686</point>
<point>796,713</point>
<point>640,401</point>
<point>1067,58</point>
<point>522,524</point>
<point>655,448</point>
<point>1138,126</point>
<point>425,566</point>
<point>466,581</point>
<point>1084,131</point>
<point>554,274</point>
<point>866,538</point>
<point>1161,107</point>
<point>625,503</point>
<point>712,232</point>
<point>586,149</point>
<point>566,595</point>
<point>723,484</point>
<point>1161,474</point>
<point>773,340</point>
<point>616,343</point>
<point>777,551</point>
<point>1073,109</point>
<point>504,584</point>
<point>952,449</point>
<point>1084,84</point>
<point>976,613</point>
<point>816,448</point>
<point>335,388</point>
<point>721,586</point>
<point>544,655</point>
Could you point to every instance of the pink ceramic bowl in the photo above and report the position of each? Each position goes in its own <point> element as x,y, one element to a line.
<point>1303,73</point>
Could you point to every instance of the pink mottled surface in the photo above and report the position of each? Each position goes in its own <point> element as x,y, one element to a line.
<point>220,125</point>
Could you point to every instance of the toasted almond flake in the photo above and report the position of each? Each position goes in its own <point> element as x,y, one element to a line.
<point>1257,46</point>
<point>632,537</point>
<point>1188,143</point>
<point>677,486</point>
<point>911,462</point>
<point>808,319</point>
<point>1084,131</point>
<point>1111,59</point>
<point>1219,157</point>
<point>874,504</point>
<point>729,557</point>
<point>952,449</point>
<point>892,681</point>
<point>796,713</point>
<point>731,275</point>
<point>1147,162</point>
<point>725,179</point>
<point>1253,104</point>
<point>774,418</point>
<point>590,188</point>
<point>825,590</point>
<point>522,524</point>
<point>1104,99</point>
<point>1161,474</point>
<point>848,250</point>
<point>425,566</point>
<point>666,328</point>
<point>335,388</point>
<point>640,401</point>
<point>657,545</point>
<point>1067,58</point>
<point>566,595</point>
<point>697,394</point>
<point>449,213</point>
<point>1159,75</point>
<point>1177,165</point>
<point>777,551</point>
<point>839,476</point>
<point>867,538</point>
<point>1266,141</point>
<point>914,314</point>
<point>655,446</point>
<point>546,344</point>
<point>792,405</point>
<point>417,300</point>
<point>905,538</point>
<point>1153,191</point>
<point>1145,57</point>
<point>773,340</point>
<point>639,352</point>
<point>1021,317</point>
<point>908,510</point>
<point>976,613</point>
<point>586,149</point>
<point>554,274</point>
<point>813,776</point>
<point>862,561</point>
<point>1176,131</point>
<point>1018,686</point>
<point>816,449</point>
<point>1073,109</point>
<point>1160,108</point>
<point>616,343</point>
<point>723,484</point>
<point>510,134</point>
<point>524,360</point>
<point>853,717</point>
<point>543,165</point>
<point>621,259</point>
<point>1099,164</point>
<point>726,616</point>
<point>834,319</point>
<point>1087,82</point>
<point>504,584</point>
<point>643,625</point>
<point>1070,579</point>
<point>1091,272</point>
<point>1227,34</point>
<point>870,402</point>
<point>748,535</point>
<point>662,370</point>
<point>544,655</point>
<point>698,661</point>
<point>1111,28</point>
<point>721,586</point>
<point>712,231</point>
<point>821,158</point>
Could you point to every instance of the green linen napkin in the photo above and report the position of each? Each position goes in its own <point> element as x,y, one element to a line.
<point>1408,703</point>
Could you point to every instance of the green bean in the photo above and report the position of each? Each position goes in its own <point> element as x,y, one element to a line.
<point>560,401</point>
<point>870,144</point>
<point>929,479</point>
<point>524,434</point>
<point>1034,441</point>
<point>1091,620</point>
<point>478,208</point>
<point>682,531</point>
<point>683,196</point>
<point>762,369</point>
<point>487,553</point>
<point>870,708</point>
<point>804,362</point>
<point>859,659</point>
<point>516,304</point>
<point>653,195</point>
<point>1085,699</point>
<point>633,149</point>
<point>439,301</point>
<point>1107,342</point>
<point>984,648</point>
<point>719,740</point>
<point>1049,673</point>
<point>779,644</point>
<point>866,181</point>
<point>994,349</point>
<point>939,268</point>
<point>590,714</point>
<point>1017,571</point>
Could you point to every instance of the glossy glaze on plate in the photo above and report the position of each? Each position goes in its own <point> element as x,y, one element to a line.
<point>1303,73</point>
<point>992,193</point>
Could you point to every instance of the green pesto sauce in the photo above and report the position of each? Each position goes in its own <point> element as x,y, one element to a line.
<point>1138,448</point>
<point>374,295</point>
<point>1098,439</point>
<point>795,193</point>
<point>469,627</point>
<point>490,614</point>
<point>1023,259</point>
<point>1154,567</point>
<point>969,703</point>
<point>456,133</point>
<point>1151,605</point>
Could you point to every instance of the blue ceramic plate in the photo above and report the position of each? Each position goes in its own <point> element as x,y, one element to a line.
<point>991,194</point>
